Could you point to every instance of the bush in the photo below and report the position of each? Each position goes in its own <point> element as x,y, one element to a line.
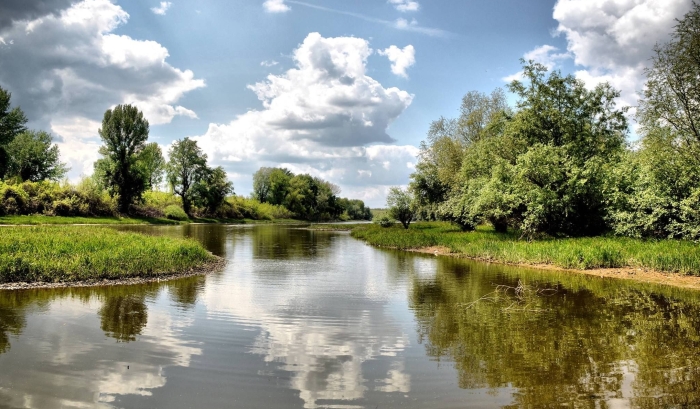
<point>385,221</point>
<point>174,212</point>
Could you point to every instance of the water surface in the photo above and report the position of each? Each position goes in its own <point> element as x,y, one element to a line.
<point>304,319</point>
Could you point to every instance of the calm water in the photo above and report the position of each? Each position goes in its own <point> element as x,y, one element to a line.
<point>303,319</point>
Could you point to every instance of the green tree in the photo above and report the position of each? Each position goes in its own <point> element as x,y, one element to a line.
<point>544,169</point>
<point>401,206</point>
<point>672,92</point>
<point>187,167</point>
<point>152,164</point>
<point>12,122</point>
<point>34,158</point>
<point>124,133</point>
<point>211,190</point>
<point>261,184</point>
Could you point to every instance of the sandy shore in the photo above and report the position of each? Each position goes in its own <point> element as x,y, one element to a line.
<point>214,266</point>
<point>625,273</point>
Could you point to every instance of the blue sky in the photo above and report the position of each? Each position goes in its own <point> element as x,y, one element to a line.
<point>344,90</point>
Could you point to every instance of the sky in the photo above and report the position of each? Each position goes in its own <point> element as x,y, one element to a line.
<point>341,89</point>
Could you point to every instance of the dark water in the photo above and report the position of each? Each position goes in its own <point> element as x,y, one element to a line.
<point>303,319</point>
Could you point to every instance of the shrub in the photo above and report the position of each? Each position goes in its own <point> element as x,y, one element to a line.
<point>385,221</point>
<point>174,212</point>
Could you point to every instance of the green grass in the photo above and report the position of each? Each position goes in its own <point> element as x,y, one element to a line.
<point>75,253</point>
<point>576,253</point>
<point>49,220</point>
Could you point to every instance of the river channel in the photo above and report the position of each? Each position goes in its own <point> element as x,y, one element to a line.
<point>313,319</point>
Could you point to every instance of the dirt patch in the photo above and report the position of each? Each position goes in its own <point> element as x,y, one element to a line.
<point>214,266</point>
<point>625,273</point>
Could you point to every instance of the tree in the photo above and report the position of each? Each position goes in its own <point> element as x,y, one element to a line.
<point>187,166</point>
<point>261,184</point>
<point>672,93</point>
<point>211,190</point>
<point>544,169</point>
<point>401,206</point>
<point>12,122</point>
<point>152,164</point>
<point>34,158</point>
<point>124,133</point>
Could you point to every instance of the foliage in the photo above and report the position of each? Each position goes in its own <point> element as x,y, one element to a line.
<point>244,208</point>
<point>174,212</point>
<point>544,171</point>
<point>385,221</point>
<point>152,165</point>
<point>32,157</point>
<point>187,167</point>
<point>124,132</point>
<point>401,206</point>
<point>211,190</point>
<point>71,253</point>
<point>53,199</point>
<point>672,92</point>
<point>12,123</point>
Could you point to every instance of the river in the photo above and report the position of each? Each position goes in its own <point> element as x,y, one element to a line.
<point>313,319</point>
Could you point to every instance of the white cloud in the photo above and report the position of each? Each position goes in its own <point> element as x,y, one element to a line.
<point>405,5</point>
<point>401,59</point>
<point>270,63</point>
<point>162,8</point>
<point>65,70</point>
<point>613,40</point>
<point>318,118</point>
<point>546,55</point>
<point>275,6</point>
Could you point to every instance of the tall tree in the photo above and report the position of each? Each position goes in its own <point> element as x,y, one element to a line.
<point>211,190</point>
<point>401,205</point>
<point>152,164</point>
<point>672,94</point>
<point>187,166</point>
<point>34,158</point>
<point>12,122</point>
<point>124,133</point>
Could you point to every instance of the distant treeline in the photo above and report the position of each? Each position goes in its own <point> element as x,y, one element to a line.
<point>308,197</point>
<point>130,171</point>
<point>559,163</point>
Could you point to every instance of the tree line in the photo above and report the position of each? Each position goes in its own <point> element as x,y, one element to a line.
<point>306,195</point>
<point>130,167</point>
<point>559,162</point>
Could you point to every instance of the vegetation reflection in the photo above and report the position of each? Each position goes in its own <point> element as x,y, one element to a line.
<point>560,343</point>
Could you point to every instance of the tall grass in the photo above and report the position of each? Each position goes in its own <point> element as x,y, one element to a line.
<point>576,253</point>
<point>75,253</point>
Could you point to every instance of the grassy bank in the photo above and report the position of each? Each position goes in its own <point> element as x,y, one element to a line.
<point>111,220</point>
<point>78,253</point>
<point>572,253</point>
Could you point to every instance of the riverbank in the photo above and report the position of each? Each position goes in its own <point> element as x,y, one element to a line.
<point>49,256</point>
<point>39,220</point>
<point>664,261</point>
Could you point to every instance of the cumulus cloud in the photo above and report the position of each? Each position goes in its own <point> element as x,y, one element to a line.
<point>401,59</point>
<point>405,5</point>
<point>275,6</point>
<point>546,55</point>
<point>613,40</point>
<point>65,70</point>
<point>162,8</point>
<point>18,10</point>
<point>319,118</point>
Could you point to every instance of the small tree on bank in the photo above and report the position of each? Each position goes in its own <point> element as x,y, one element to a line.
<point>400,204</point>
<point>33,158</point>
<point>124,133</point>
<point>187,166</point>
<point>12,123</point>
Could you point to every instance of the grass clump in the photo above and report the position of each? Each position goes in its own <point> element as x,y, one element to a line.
<point>576,253</point>
<point>175,212</point>
<point>76,253</point>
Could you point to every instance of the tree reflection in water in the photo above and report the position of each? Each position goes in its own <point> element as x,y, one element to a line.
<point>585,347</point>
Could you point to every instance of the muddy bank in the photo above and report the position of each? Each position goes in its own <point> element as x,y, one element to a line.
<point>215,266</point>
